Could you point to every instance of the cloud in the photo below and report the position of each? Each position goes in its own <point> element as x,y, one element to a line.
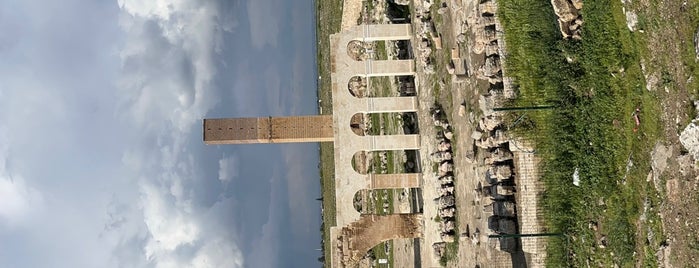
<point>168,64</point>
<point>169,59</point>
<point>228,169</point>
<point>217,253</point>
<point>255,96</point>
<point>168,221</point>
<point>17,199</point>
<point>179,230</point>
<point>108,104</point>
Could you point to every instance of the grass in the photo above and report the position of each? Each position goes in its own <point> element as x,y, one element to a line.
<point>375,120</point>
<point>384,251</point>
<point>381,87</point>
<point>676,64</point>
<point>328,21</point>
<point>379,250</point>
<point>451,253</point>
<point>381,53</point>
<point>391,124</point>
<point>596,84</point>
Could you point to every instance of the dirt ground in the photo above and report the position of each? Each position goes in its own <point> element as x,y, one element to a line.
<point>404,253</point>
<point>669,70</point>
<point>451,93</point>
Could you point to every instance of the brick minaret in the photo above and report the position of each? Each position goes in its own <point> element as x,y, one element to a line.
<point>314,128</point>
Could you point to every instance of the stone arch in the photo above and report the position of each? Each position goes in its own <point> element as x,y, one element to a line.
<point>360,49</point>
<point>357,50</point>
<point>387,201</point>
<point>384,123</point>
<point>357,86</point>
<point>356,239</point>
<point>386,162</point>
<point>389,86</point>
<point>359,161</point>
<point>358,124</point>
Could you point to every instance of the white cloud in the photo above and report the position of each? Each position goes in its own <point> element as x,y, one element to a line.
<point>173,222</point>
<point>17,199</point>
<point>169,224</point>
<point>228,169</point>
<point>130,83</point>
<point>168,63</point>
<point>169,59</point>
<point>217,253</point>
<point>161,9</point>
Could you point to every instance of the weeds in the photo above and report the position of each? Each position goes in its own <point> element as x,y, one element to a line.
<point>596,84</point>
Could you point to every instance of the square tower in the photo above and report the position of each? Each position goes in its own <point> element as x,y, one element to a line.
<point>314,128</point>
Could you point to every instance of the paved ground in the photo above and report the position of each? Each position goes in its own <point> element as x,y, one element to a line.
<point>403,253</point>
<point>351,10</point>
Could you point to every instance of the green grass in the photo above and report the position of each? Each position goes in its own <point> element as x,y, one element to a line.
<point>328,21</point>
<point>379,250</point>
<point>381,53</point>
<point>380,86</point>
<point>451,253</point>
<point>591,128</point>
<point>375,120</point>
<point>380,253</point>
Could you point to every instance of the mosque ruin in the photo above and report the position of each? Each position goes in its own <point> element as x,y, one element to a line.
<point>492,185</point>
<point>354,233</point>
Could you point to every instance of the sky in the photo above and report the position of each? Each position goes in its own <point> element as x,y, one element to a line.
<point>102,162</point>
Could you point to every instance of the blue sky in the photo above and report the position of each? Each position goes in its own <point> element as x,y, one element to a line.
<point>101,158</point>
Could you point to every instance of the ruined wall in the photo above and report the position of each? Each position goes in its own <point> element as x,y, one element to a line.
<point>529,191</point>
<point>358,237</point>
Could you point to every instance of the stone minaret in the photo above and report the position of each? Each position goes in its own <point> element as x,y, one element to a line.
<point>315,128</point>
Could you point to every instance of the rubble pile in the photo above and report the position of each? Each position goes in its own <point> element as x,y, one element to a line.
<point>358,86</point>
<point>357,50</point>
<point>498,183</point>
<point>690,136</point>
<point>457,65</point>
<point>490,138</point>
<point>569,17</point>
<point>446,201</point>
<point>490,133</point>
<point>489,42</point>
<point>439,248</point>
<point>427,35</point>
